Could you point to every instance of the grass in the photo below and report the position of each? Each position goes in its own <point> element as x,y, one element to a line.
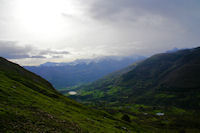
<point>28,103</point>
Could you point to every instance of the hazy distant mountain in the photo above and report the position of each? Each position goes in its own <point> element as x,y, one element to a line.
<point>175,50</point>
<point>172,50</point>
<point>81,71</point>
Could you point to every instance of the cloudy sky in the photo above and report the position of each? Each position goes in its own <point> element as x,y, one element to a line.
<point>36,31</point>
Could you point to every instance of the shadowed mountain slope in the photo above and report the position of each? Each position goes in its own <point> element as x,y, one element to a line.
<point>168,79</point>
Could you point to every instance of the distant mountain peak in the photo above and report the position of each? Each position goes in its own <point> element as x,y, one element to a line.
<point>172,50</point>
<point>175,49</point>
<point>92,60</point>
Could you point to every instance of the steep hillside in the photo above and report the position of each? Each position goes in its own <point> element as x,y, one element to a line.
<point>63,75</point>
<point>29,103</point>
<point>163,79</point>
<point>167,79</point>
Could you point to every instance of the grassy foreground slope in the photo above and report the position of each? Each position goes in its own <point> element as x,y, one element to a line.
<point>29,103</point>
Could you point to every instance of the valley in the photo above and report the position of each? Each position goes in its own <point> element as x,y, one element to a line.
<point>99,66</point>
<point>158,94</point>
<point>30,104</point>
<point>62,75</point>
<point>166,84</point>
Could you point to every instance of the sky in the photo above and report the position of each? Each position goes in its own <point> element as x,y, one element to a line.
<point>36,31</point>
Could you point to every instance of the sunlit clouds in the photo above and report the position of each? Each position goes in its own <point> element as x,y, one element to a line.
<point>93,28</point>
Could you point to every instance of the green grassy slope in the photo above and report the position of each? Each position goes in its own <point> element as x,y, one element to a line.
<point>29,103</point>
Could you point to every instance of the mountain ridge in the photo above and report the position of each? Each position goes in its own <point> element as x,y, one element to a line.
<point>155,75</point>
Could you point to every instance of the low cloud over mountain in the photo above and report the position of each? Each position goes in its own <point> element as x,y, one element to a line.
<point>12,50</point>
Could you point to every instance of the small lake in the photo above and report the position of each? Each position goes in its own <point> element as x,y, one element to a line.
<point>160,114</point>
<point>72,93</point>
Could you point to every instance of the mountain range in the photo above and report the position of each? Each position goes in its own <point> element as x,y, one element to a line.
<point>157,94</point>
<point>68,74</point>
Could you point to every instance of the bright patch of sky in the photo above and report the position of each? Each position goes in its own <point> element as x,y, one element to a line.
<point>36,31</point>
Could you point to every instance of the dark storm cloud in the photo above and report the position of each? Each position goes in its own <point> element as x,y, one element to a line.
<point>172,8</point>
<point>184,12</point>
<point>157,24</point>
<point>11,50</point>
